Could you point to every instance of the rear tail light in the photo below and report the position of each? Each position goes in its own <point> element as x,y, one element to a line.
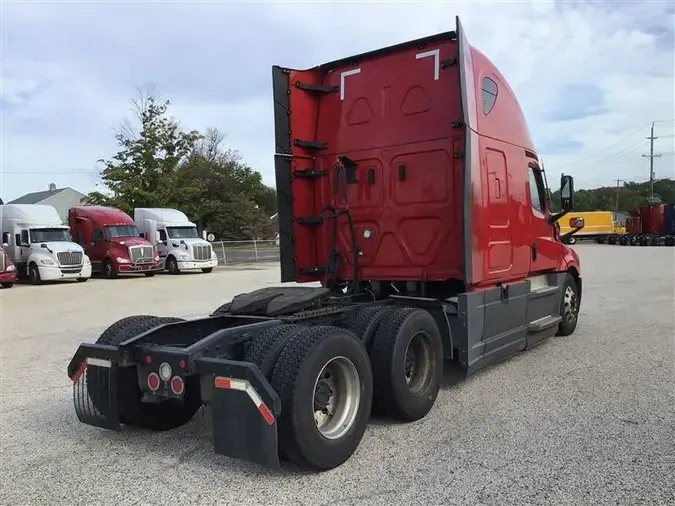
<point>153,381</point>
<point>177,385</point>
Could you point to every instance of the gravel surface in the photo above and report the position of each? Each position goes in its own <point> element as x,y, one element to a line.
<point>581,420</point>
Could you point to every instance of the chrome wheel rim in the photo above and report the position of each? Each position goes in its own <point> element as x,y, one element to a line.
<point>336,397</point>
<point>418,366</point>
<point>571,305</point>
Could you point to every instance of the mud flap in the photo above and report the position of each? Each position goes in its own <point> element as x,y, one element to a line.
<point>95,393</point>
<point>245,410</point>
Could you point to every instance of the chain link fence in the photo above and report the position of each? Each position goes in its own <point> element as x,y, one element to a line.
<point>230,252</point>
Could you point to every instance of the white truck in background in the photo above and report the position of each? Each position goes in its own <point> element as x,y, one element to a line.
<point>40,245</point>
<point>176,238</point>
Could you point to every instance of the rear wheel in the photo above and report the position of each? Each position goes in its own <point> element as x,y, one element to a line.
<point>670,241</point>
<point>324,379</point>
<point>572,240</point>
<point>266,348</point>
<point>162,415</point>
<point>365,322</point>
<point>407,361</point>
<point>569,307</point>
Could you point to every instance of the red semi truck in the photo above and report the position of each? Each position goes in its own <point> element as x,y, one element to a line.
<point>409,188</point>
<point>7,270</point>
<point>112,241</point>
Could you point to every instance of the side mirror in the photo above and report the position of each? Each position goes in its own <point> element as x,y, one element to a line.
<point>5,239</point>
<point>158,237</point>
<point>576,222</point>
<point>567,193</point>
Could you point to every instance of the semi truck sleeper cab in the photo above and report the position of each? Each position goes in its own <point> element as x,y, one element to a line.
<point>409,188</point>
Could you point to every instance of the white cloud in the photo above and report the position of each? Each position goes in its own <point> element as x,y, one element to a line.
<point>69,68</point>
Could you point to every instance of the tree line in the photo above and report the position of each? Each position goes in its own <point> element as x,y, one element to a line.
<point>630,195</point>
<point>161,164</point>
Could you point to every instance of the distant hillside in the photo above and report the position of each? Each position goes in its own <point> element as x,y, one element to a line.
<point>631,196</point>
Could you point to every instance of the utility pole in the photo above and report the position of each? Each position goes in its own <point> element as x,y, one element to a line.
<point>618,187</point>
<point>651,157</point>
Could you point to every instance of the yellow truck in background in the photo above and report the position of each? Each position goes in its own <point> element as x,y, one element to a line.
<point>598,225</point>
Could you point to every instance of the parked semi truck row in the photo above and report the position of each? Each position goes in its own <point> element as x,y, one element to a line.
<point>40,246</point>
<point>408,186</point>
<point>650,225</point>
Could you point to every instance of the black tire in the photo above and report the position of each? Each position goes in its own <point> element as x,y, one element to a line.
<point>132,411</point>
<point>294,377</point>
<point>34,274</point>
<point>207,270</point>
<point>365,322</point>
<point>109,269</point>
<point>390,361</point>
<point>222,309</point>
<point>569,307</point>
<point>82,280</point>
<point>623,241</point>
<point>653,241</point>
<point>572,240</point>
<point>612,240</point>
<point>7,285</point>
<point>669,241</point>
<point>266,348</point>
<point>172,265</point>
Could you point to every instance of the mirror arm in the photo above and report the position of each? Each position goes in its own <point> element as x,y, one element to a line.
<point>555,217</point>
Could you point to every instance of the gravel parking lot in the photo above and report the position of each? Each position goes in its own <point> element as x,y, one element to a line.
<point>582,420</point>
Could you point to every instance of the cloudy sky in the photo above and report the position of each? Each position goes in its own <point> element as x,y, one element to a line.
<point>590,76</point>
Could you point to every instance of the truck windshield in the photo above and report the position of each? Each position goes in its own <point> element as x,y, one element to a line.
<point>182,232</point>
<point>49,235</point>
<point>121,231</point>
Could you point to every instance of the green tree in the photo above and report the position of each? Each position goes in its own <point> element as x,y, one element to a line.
<point>143,171</point>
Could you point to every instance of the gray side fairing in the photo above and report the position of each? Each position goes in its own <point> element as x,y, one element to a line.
<point>491,325</point>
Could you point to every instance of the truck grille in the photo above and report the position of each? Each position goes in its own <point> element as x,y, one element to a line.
<point>201,252</point>
<point>70,257</point>
<point>141,254</point>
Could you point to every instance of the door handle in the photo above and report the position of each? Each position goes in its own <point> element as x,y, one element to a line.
<point>534,251</point>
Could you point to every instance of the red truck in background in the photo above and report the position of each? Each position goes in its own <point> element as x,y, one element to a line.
<point>7,271</point>
<point>650,225</point>
<point>409,187</point>
<point>112,241</point>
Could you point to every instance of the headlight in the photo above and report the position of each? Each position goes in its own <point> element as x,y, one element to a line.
<point>47,261</point>
<point>11,268</point>
<point>156,258</point>
<point>122,260</point>
<point>184,257</point>
<point>87,260</point>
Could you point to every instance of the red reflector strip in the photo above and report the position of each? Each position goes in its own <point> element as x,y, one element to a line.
<point>266,413</point>
<point>245,386</point>
<point>80,371</point>
<point>223,383</point>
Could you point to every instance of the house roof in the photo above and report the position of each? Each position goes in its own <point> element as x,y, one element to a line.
<point>37,197</point>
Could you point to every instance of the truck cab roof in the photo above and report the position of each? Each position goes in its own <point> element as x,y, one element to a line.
<point>102,215</point>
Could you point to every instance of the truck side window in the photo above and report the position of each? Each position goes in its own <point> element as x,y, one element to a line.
<point>97,235</point>
<point>162,235</point>
<point>24,237</point>
<point>489,89</point>
<point>536,189</point>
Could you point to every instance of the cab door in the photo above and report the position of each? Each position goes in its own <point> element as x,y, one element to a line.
<point>545,250</point>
